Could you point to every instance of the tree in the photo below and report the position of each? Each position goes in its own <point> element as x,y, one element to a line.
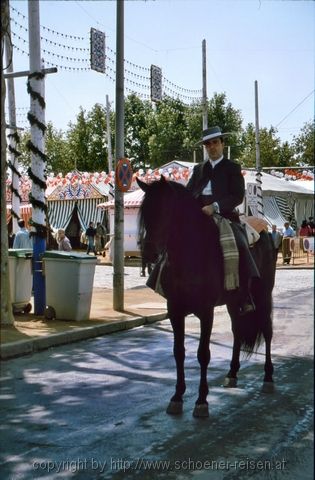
<point>303,144</point>
<point>137,130</point>
<point>97,149</point>
<point>229,119</point>
<point>78,141</point>
<point>270,147</point>
<point>58,158</point>
<point>168,132</point>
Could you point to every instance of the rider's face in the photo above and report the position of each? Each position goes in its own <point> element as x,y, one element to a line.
<point>215,148</point>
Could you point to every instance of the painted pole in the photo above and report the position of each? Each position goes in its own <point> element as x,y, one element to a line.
<point>118,277</point>
<point>13,134</point>
<point>260,207</point>
<point>204,93</point>
<point>37,171</point>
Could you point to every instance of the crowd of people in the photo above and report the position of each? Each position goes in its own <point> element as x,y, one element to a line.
<point>281,238</point>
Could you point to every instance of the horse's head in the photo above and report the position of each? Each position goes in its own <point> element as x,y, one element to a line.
<point>154,218</point>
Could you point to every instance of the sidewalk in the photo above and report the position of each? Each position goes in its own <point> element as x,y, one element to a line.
<point>31,333</point>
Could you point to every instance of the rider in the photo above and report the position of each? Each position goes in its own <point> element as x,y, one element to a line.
<point>219,186</point>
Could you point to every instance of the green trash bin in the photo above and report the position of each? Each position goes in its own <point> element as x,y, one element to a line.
<point>21,279</point>
<point>69,284</point>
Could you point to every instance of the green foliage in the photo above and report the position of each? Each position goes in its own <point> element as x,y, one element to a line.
<point>303,144</point>
<point>137,130</point>
<point>159,133</point>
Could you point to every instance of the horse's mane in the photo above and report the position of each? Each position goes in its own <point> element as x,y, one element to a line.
<point>189,228</point>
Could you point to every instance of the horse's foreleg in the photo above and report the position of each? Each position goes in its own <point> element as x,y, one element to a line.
<point>201,407</point>
<point>176,404</point>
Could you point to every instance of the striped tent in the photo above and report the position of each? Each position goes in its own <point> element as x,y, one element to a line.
<point>63,200</point>
<point>283,199</point>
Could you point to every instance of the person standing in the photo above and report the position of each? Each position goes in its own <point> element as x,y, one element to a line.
<point>90,235</point>
<point>22,238</point>
<point>305,230</point>
<point>288,233</point>
<point>63,241</point>
<point>276,238</point>
<point>218,185</point>
<point>100,238</point>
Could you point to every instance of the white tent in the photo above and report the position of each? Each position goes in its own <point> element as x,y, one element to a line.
<point>283,199</point>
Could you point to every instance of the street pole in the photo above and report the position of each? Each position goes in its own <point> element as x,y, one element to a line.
<point>109,141</point>
<point>37,171</point>
<point>260,207</point>
<point>13,135</point>
<point>6,311</point>
<point>204,93</point>
<point>118,277</point>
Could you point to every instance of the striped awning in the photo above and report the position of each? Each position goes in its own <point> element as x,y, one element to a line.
<point>272,212</point>
<point>131,200</point>
<point>60,212</point>
<point>25,212</point>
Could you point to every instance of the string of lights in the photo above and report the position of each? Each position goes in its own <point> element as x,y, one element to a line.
<point>51,42</point>
<point>50,30</point>
<point>58,55</point>
<point>135,75</point>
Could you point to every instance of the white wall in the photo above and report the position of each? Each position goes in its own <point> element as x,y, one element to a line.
<point>130,230</point>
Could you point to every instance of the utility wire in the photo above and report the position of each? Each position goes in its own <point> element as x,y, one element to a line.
<point>295,108</point>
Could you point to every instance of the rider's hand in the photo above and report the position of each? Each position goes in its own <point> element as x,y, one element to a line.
<point>208,210</point>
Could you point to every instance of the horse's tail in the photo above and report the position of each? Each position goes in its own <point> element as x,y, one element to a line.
<point>256,326</point>
<point>250,332</point>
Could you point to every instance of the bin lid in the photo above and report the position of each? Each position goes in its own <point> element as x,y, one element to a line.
<point>61,255</point>
<point>20,252</point>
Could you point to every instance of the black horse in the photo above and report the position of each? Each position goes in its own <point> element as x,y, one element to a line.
<point>173,227</point>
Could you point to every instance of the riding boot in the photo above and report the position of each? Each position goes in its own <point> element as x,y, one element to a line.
<point>247,304</point>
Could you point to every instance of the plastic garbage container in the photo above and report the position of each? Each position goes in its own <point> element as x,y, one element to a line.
<point>21,278</point>
<point>69,284</point>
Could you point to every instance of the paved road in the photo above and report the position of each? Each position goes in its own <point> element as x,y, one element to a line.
<point>96,410</point>
<point>104,277</point>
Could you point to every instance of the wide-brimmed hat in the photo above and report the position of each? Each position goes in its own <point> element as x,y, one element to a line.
<point>210,133</point>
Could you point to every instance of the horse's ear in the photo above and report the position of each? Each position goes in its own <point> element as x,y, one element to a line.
<point>142,185</point>
<point>162,179</point>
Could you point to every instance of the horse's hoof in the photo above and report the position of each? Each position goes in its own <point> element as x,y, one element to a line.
<point>268,387</point>
<point>174,408</point>
<point>230,382</point>
<point>201,411</point>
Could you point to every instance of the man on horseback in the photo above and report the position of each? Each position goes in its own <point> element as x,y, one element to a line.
<point>219,186</point>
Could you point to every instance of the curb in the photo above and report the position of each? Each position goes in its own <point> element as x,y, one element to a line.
<point>28,347</point>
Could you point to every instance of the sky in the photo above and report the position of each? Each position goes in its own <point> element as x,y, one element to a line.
<point>268,41</point>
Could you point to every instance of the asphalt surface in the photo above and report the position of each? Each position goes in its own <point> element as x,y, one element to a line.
<point>96,409</point>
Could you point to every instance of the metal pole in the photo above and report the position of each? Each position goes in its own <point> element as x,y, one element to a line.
<point>204,93</point>
<point>118,277</point>
<point>36,90</point>
<point>258,164</point>
<point>109,141</point>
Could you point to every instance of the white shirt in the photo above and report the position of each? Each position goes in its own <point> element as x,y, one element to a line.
<point>208,189</point>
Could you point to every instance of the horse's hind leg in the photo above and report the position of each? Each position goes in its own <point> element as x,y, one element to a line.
<point>176,403</point>
<point>268,385</point>
<point>231,378</point>
<point>201,406</point>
